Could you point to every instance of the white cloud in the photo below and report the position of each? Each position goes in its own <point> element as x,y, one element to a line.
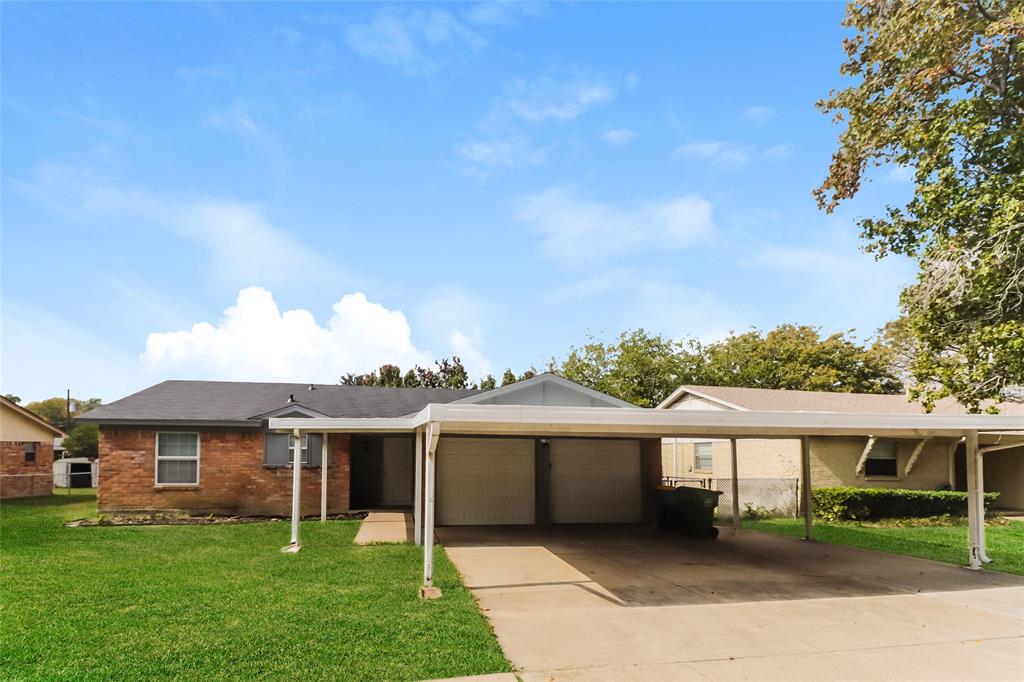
<point>729,154</point>
<point>549,98</point>
<point>468,348</point>
<point>255,340</point>
<point>900,174</point>
<point>618,136</point>
<point>758,115</point>
<point>778,151</point>
<point>504,136</point>
<point>408,40</point>
<point>580,233</point>
<point>237,119</point>
<point>43,355</point>
<point>487,154</point>
<point>241,244</point>
<point>715,152</point>
<point>503,13</point>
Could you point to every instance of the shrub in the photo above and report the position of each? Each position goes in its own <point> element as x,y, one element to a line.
<point>868,504</point>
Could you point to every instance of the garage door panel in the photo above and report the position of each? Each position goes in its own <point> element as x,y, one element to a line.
<point>595,481</point>
<point>485,481</point>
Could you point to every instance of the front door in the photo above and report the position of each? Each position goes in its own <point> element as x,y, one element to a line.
<point>397,466</point>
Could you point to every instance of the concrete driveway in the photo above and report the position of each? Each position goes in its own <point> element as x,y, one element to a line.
<point>626,603</point>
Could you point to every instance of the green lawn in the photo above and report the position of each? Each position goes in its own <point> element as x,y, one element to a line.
<point>946,543</point>
<point>201,602</point>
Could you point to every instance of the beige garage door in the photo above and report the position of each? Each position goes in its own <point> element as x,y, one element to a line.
<point>483,481</point>
<point>595,481</point>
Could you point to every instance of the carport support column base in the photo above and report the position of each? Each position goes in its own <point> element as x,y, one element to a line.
<point>430,592</point>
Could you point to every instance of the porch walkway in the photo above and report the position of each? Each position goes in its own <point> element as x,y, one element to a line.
<point>385,527</point>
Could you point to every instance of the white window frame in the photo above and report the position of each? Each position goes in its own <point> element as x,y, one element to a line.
<point>305,450</point>
<point>696,456</point>
<point>157,458</point>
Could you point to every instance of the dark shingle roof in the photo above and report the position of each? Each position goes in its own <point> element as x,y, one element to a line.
<point>237,401</point>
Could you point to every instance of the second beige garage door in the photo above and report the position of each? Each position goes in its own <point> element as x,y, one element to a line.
<point>595,481</point>
<point>485,481</point>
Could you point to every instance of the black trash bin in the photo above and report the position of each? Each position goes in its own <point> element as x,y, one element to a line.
<point>690,511</point>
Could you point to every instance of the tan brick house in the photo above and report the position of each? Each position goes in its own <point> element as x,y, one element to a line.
<point>26,451</point>
<point>913,463</point>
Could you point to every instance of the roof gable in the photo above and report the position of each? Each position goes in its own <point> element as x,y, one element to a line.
<point>30,415</point>
<point>545,389</point>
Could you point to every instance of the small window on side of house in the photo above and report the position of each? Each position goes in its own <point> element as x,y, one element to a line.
<point>702,458</point>
<point>30,452</point>
<point>177,458</point>
<point>882,459</point>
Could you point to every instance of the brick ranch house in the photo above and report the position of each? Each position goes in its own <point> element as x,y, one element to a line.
<point>26,451</point>
<point>539,451</point>
<point>205,447</point>
<point>917,463</point>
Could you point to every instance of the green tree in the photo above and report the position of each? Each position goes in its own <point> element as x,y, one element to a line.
<point>792,357</point>
<point>640,368</point>
<point>939,88</point>
<point>83,441</point>
<point>508,377</point>
<point>55,410</point>
<point>488,382</point>
<point>13,398</point>
<point>644,368</point>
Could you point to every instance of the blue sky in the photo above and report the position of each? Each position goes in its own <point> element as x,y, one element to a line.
<point>263,191</point>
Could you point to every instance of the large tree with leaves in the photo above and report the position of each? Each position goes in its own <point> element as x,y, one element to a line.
<point>644,368</point>
<point>940,89</point>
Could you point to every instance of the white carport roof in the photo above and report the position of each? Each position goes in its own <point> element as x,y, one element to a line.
<point>641,423</point>
<point>546,420</point>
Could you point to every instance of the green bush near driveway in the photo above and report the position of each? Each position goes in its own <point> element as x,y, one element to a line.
<point>868,504</point>
<point>222,602</point>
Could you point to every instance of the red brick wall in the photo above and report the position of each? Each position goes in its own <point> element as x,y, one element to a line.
<point>232,478</point>
<point>23,479</point>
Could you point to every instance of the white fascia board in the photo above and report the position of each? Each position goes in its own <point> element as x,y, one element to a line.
<point>710,422</point>
<point>682,390</point>
<point>613,421</point>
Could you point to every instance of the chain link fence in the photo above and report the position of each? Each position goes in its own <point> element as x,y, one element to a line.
<point>39,485</point>
<point>759,497</point>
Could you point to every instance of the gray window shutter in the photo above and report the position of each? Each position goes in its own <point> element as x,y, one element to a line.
<point>316,441</point>
<point>275,451</point>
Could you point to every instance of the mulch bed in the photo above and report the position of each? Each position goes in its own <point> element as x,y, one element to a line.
<point>165,519</point>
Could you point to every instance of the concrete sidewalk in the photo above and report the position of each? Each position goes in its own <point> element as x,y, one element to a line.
<point>385,527</point>
<point>624,603</point>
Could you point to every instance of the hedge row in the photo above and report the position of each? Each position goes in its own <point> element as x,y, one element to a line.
<point>868,504</point>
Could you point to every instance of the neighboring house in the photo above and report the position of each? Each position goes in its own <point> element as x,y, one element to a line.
<point>914,463</point>
<point>205,446</point>
<point>26,451</point>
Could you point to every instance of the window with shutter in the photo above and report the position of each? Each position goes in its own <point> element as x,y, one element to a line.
<point>882,459</point>
<point>276,450</point>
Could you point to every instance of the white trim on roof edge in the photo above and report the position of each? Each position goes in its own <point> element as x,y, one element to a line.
<point>674,397</point>
<point>545,378</point>
<point>290,407</point>
<point>603,421</point>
